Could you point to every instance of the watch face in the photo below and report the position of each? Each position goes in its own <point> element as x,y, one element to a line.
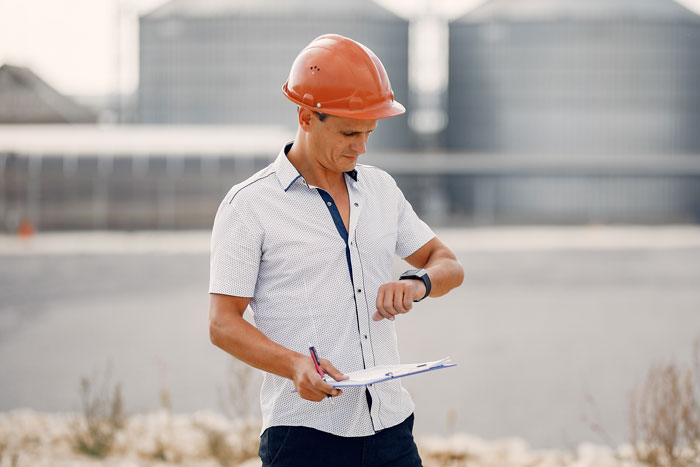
<point>414,272</point>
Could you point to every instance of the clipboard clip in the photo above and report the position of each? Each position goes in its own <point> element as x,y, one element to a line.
<point>400,373</point>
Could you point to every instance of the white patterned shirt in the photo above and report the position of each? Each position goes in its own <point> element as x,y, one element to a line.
<point>283,243</point>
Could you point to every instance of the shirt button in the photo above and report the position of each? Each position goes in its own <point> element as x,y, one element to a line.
<point>329,203</point>
<point>365,336</point>
<point>359,290</point>
<point>356,205</point>
<point>350,243</point>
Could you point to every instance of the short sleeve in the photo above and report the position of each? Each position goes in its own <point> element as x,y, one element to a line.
<point>412,232</point>
<point>236,249</point>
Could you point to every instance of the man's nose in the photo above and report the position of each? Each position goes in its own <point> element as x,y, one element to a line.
<point>359,144</point>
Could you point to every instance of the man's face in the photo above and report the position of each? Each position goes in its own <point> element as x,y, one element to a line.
<point>337,142</point>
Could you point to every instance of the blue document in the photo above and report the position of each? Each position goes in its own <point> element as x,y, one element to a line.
<point>381,373</point>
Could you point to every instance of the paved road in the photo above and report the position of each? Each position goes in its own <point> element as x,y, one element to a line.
<point>535,328</point>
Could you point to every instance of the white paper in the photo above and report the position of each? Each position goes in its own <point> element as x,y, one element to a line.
<point>386,372</point>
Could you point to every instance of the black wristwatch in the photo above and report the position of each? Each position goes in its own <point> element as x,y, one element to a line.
<point>420,275</point>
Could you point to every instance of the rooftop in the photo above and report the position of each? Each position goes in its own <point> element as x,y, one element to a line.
<point>218,8</point>
<point>266,141</point>
<point>142,140</point>
<point>597,10</point>
<point>26,98</point>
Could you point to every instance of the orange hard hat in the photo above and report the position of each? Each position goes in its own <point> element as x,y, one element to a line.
<point>338,76</point>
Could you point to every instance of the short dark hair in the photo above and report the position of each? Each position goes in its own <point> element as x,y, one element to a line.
<point>321,116</point>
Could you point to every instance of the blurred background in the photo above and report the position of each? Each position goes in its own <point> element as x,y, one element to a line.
<point>554,144</point>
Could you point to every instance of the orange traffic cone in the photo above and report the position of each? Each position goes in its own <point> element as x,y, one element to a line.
<point>25,229</point>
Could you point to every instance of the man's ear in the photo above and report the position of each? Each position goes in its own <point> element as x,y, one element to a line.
<point>305,117</point>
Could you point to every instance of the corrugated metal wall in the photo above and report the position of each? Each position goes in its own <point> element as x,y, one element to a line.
<point>618,78</point>
<point>229,67</point>
<point>166,191</point>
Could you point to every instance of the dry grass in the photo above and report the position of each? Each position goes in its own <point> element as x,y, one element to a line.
<point>93,433</point>
<point>12,457</point>
<point>102,415</point>
<point>665,415</point>
<point>238,399</point>
<point>594,420</point>
<point>446,459</point>
<point>219,448</point>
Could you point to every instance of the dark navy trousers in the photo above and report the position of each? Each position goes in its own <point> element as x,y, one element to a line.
<point>299,446</point>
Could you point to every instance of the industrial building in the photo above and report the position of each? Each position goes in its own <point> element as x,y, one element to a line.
<point>568,77</point>
<point>572,84</point>
<point>25,98</point>
<point>125,177</point>
<point>224,62</point>
<point>559,112</point>
<point>174,177</point>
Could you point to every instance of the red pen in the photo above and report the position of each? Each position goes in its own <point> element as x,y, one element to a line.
<point>314,357</point>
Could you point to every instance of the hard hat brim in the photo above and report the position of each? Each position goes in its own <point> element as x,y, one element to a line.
<point>386,109</point>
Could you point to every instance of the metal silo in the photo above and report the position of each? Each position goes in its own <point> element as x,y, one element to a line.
<point>575,77</point>
<point>224,61</point>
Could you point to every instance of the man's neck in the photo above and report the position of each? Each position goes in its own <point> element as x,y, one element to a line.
<point>314,173</point>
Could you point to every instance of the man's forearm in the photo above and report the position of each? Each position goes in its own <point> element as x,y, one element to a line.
<point>230,332</point>
<point>445,273</point>
<point>238,337</point>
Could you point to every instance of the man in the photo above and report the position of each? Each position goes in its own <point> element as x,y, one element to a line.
<point>308,242</point>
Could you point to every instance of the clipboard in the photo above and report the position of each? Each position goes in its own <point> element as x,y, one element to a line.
<point>382,373</point>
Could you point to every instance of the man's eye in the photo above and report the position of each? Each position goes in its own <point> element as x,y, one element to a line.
<point>349,134</point>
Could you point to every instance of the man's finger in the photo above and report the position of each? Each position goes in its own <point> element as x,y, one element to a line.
<point>389,305</point>
<point>385,314</point>
<point>307,389</point>
<point>315,389</point>
<point>325,388</point>
<point>331,370</point>
<point>312,395</point>
<point>380,297</point>
<point>407,301</point>
<point>381,307</point>
<point>399,301</point>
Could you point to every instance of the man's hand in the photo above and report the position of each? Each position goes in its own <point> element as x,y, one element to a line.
<point>308,382</point>
<point>397,297</point>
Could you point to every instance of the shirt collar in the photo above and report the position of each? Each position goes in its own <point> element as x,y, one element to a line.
<point>352,174</point>
<point>287,174</point>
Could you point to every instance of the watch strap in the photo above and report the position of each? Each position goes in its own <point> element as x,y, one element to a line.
<point>418,274</point>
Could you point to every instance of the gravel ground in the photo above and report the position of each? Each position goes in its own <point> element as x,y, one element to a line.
<point>206,439</point>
